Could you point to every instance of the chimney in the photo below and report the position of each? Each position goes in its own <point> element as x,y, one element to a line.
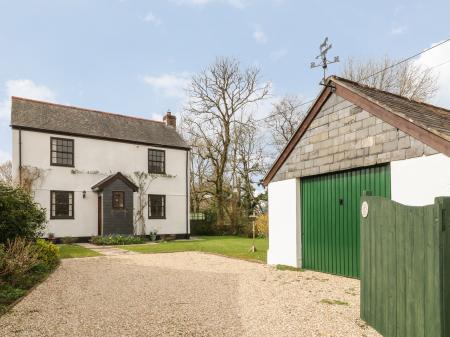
<point>170,119</point>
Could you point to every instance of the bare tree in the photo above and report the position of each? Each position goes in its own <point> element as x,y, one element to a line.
<point>251,166</point>
<point>286,116</point>
<point>218,96</point>
<point>200,171</point>
<point>6,172</point>
<point>407,79</point>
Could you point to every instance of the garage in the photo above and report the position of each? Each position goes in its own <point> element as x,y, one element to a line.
<point>330,217</point>
<point>353,139</point>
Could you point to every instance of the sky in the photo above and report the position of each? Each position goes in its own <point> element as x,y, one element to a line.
<point>135,57</point>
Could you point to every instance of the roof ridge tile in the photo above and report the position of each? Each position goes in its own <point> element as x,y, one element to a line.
<point>86,109</point>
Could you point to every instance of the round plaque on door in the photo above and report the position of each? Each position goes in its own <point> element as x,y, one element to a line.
<point>364,209</point>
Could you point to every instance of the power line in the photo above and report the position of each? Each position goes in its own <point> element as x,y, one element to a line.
<point>441,64</point>
<point>380,71</point>
<point>302,104</point>
<point>406,59</point>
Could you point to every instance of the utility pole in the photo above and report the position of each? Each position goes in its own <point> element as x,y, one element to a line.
<point>324,62</point>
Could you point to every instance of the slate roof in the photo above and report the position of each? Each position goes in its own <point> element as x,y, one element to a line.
<point>50,117</point>
<point>109,179</point>
<point>434,119</point>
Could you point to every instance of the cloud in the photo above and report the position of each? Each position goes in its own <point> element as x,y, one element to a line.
<point>259,36</point>
<point>239,4</point>
<point>153,19</point>
<point>171,85</point>
<point>439,60</point>
<point>23,88</point>
<point>398,30</point>
<point>278,54</point>
<point>157,117</point>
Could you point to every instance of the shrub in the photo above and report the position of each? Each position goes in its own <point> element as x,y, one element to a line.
<point>202,227</point>
<point>9,294</point>
<point>17,257</point>
<point>20,216</point>
<point>262,226</point>
<point>23,264</point>
<point>48,253</point>
<point>116,240</point>
<point>68,240</point>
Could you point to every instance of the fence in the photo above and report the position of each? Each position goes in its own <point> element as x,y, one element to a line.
<point>203,223</point>
<point>405,267</point>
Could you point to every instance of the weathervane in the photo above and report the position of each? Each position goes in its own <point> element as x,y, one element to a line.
<point>324,48</point>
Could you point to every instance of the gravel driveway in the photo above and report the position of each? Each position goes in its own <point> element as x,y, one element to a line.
<point>185,294</point>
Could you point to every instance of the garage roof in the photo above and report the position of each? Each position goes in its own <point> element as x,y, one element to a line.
<point>430,117</point>
<point>425,122</point>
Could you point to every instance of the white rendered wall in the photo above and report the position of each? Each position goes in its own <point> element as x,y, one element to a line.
<point>95,160</point>
<point>284,223</point>
<point>417,181</point>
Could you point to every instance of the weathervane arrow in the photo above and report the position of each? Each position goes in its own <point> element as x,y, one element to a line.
<point>324,48</point>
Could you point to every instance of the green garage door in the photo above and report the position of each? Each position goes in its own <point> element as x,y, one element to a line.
<point>330,217</point>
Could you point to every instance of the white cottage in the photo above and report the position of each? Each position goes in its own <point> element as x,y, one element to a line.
<point>354,138</point>
<point>99,173</point>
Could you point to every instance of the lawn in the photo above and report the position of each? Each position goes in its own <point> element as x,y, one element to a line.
<point>231,246</point>
<point>69,251</point>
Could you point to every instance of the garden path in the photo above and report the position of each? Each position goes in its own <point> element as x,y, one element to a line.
<point>106,250</point>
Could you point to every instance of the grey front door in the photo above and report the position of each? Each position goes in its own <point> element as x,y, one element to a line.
<point>117,209</point>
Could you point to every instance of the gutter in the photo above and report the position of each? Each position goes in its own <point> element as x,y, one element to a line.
<point>20,157</point>
<point>187,194</point>
<point>112,139</point>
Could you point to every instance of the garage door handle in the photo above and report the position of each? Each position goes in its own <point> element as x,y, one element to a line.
<point>341,201</point>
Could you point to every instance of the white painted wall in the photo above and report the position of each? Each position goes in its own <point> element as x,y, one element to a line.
<point>284,223</point>
<point>414,182</point>
<point>95,160</point>
<point>417,181</point>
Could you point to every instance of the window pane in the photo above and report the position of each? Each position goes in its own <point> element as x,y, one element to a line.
<point>156,206</point>
<point>118,199</point>
<point>61,204</point>
<point>156,161</point>
<point>62,151</point>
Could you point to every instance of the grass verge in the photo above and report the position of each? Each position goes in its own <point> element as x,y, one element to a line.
<point>284,267</point>
<point>333,302</point>
<point>230,246</point>
<point>12,290</point>
<point>71,251</point>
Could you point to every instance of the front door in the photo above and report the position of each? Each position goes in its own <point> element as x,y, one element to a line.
<point>99,206</point>
<point>117,209</point>
<point>330,217</point>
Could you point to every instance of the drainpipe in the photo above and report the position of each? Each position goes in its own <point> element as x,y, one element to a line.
<point>187,194</point>
<point>20,157</point>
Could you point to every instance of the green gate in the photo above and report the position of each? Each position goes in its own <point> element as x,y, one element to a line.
<point>330,217</point>
<point>405,267</point>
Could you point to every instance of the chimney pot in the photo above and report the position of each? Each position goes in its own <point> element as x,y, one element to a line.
<point>170,120</point>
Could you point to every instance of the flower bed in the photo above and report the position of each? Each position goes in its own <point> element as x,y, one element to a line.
<point>117,240</point>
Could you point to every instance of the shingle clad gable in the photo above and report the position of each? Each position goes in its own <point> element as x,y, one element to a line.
<point>432,118</point>
<point>343,136</point>
<point>422,129</point>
